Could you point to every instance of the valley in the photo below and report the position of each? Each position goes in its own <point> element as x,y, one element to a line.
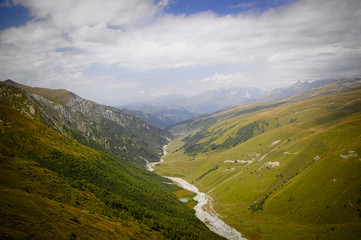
<point>180,120</point>
<point>280,169</point>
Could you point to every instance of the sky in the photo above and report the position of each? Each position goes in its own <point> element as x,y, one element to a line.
<point>118,51</point>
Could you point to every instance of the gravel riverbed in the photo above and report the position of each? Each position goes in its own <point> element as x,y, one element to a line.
<point>204,209</point>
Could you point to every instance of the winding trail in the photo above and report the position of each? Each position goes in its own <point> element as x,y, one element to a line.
<point>204,209</point>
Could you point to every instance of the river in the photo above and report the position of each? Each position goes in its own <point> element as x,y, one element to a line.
<point>204,209</point>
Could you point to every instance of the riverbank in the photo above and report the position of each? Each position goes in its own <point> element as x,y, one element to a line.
<point>205,212</point>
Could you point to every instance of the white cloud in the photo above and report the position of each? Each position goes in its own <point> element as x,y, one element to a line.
<point>305,40</point>
<point>225,80</point>
<point>77,13</point>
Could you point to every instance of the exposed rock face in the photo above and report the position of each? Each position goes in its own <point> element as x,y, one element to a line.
<point>17,99</point>
<point>93,124</point>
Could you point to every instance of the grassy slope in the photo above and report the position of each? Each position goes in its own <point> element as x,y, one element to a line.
<point>313,193</point>
<point>54,187</point>
<point>57,95</point>
<point>39,203</point>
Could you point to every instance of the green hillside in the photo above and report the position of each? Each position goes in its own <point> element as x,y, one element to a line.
<point>53,187</point>
<point>289,169</point>
<point>58,95</point>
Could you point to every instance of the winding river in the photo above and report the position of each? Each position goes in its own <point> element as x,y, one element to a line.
<point>204,209</point>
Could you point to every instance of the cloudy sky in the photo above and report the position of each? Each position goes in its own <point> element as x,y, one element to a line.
<point>117,51</point>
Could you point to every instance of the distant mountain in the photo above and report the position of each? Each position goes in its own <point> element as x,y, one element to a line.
<point>298,87</point>
<point>213,101</point>
<point>204,103</point>
<point>96,125</point>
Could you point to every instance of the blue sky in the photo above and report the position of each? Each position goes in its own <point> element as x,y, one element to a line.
<point>116,52</point>
<point>13,16</point>
<point>222,7</point>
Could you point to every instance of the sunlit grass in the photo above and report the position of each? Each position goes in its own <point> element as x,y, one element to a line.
<point>310,191</point>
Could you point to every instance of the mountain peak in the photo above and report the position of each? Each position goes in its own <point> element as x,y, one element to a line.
<point>300,86</point>
<point>9,81</point>
<point>297,87</point>
<point>61,95</point>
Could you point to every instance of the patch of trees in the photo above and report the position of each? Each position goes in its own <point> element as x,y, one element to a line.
<point>136,194</point>
<point>258,205</point>
<point>193,146</point>
<point>209,171</point>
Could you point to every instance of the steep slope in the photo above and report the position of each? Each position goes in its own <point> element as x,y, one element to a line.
<point>37,203</point>
<point>288,169</point>
<point>96,125</point>
<point>53,187</point>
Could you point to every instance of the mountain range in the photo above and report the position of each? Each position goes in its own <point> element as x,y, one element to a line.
<point>297,87</point>
<point>204,103</point>
<point>167,110</point>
